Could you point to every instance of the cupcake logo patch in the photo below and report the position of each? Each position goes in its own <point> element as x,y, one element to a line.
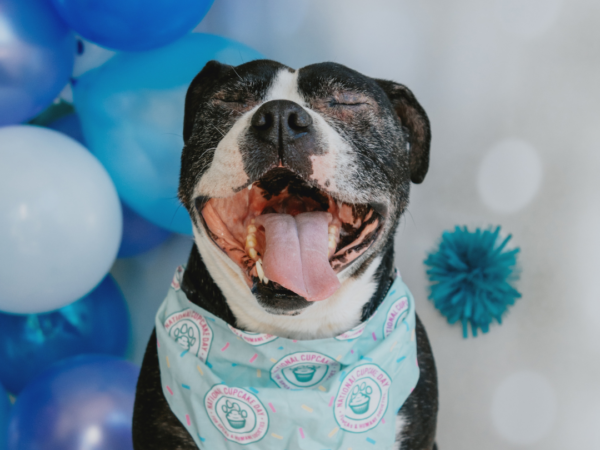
<point>304,370</point>
<point>237,414</point>
<point>190,330</point>
<point>255,339</point>
<point>396,314</point>
<point>362,398</point>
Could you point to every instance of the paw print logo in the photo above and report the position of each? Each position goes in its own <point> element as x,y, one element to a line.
<point>360,398</point>
<point>235,415</point>
<point>184,336</point>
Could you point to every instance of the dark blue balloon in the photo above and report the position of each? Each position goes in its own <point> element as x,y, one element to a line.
<point>139,235</point>
<point>69,125</point>
<point>84,402</point>
<point>4,410</point>
<point>36,58</point>
<point>97,323</point>
<point>132,25</point>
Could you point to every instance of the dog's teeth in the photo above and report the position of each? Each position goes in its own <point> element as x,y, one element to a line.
<point>265,280</point>
<point>252,253</point>
<point>332,243</point>
<point>250,240</point>
<point>332,230</point>
<point>251,229</point>
<point>259,271</point>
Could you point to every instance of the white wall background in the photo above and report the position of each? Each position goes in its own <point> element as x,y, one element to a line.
<point>512,90</point>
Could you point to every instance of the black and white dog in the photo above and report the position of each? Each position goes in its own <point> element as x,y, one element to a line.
<point>259,138</point>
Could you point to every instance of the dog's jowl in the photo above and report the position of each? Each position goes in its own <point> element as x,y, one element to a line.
<point>289,327</point>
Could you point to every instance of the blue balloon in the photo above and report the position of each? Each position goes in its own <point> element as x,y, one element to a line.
<point>132,25</point>
<point>69,125</point>
<point>4,411</point>
<point>131,110</point>
<point>139,235</point>
<point>84,402</point>
<point>36,58</point>
<point>29,344</point>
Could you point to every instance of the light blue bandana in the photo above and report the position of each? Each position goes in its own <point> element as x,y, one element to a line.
<point>231,388</point>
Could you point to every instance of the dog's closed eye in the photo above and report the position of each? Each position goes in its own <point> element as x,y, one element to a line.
<point>355,99</point>
<point>235,104</point>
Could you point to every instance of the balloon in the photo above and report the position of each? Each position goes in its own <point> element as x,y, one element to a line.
<point>4,410</point>
<point>29,344</point>
<point>60,220</point>
<point>89,56</point>
<point>139,235</point>
<point>37,51</point>
<point>131,110</point>
<point>132,25</point>
<point>81,403</point>
<point>69,125</point>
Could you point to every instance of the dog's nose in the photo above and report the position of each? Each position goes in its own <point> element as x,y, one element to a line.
<point>281,122</point>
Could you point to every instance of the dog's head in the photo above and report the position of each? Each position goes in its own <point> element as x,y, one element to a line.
<point>295,180</point>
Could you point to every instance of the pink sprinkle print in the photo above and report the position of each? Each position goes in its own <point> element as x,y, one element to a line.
<point>374,337</point>
<point>294,341</point>
<point>157,343</point>
<point>272,407</point>
<point>254,358</point>
<point>330,402</point>
<point>301,432</point>
<point>187,418</point>
<point>352,351</point>
<point>383,420</point>
<point>226,347</point>
<point>170,391</point>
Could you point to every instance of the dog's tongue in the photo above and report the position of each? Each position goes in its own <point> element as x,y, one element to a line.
<point>296,254</point>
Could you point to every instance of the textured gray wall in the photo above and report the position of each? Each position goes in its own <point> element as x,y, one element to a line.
<point>511,87</point>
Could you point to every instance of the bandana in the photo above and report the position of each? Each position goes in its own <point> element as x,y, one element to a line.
<point>231,388</point>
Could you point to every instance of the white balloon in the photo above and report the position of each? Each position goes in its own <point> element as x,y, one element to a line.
<point>60,220</point>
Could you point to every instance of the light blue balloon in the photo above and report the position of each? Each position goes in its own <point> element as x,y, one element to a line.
<point>4,410</point>
<point>131,110</point>
<point>60,220</point>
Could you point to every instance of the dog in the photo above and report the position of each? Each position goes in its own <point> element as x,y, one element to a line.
<point>263,138</point>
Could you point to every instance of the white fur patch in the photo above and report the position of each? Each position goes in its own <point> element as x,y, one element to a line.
<point>400,424</point>
<point>285,87</point>
<point>337,166</point>
<point>226,172</point>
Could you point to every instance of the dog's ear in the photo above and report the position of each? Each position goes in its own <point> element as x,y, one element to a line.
<point>204,80</point>
<point>412,117</point>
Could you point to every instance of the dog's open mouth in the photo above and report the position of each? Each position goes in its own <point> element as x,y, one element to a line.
<point>290,236</point>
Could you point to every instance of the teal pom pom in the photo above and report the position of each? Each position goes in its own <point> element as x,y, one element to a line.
<point>472,276</point>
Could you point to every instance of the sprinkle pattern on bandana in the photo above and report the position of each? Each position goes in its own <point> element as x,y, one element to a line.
<point>232,389</point>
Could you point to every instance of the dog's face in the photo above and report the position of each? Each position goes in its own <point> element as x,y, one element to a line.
<point>297,178</point>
